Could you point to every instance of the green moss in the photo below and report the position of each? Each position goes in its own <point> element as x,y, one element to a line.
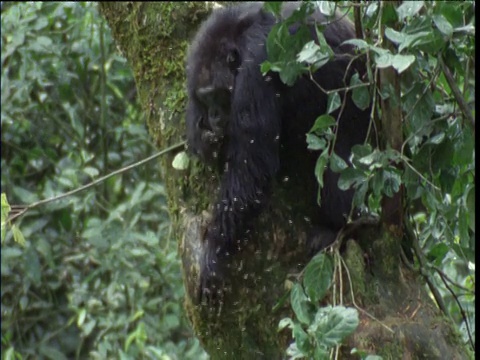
<point>356,265</point>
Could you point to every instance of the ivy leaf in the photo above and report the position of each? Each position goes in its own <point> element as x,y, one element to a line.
<point>349,177</point>
<point>315,143</point>
<point>321,123</point>
<point>333,102</point>
<point>337,164</point>
<point>320,167</point>
<point>360,95</point>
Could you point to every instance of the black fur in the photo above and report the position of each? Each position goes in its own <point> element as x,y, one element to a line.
<point>253,127</point>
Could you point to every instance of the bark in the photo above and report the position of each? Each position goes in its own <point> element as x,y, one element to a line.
<point>154,37</point>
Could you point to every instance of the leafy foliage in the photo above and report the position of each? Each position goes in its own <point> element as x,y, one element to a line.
<point>431,46</point>
<point>97,275</point>
<point>318,328</point>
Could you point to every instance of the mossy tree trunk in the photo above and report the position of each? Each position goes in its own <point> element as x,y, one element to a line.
<point>154,38</point>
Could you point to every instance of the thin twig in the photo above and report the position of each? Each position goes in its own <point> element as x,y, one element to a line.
<point>93,183</point>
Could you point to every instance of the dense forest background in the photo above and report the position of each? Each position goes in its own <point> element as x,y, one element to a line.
<point>96,274</point>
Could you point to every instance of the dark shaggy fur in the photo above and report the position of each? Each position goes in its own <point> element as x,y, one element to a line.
<point>253,127</point>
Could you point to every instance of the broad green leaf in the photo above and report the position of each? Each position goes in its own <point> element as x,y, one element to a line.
<point>273,6</point>
<point>334,102</point>
<point>394,36</point>
<point>315,143</point>
<point>443,25</point>
<point>384,60</point>
<point>320,167</point>
<point>33,268</point>
<point>301,339</point>
<point>391,182</point>
<point>360,44</point>
<point>409,9</point>
<point>402,62</point>
<point>18,235</point>
<point>359,151</point>
<point>349,177</point>
<point>335,324</point>
<point>321,123</point>
<point>88,327</point>
<point>318,277</point>
<point>337,164</point>
<point>49,352</point>
<point>300,304</point>
<point>327,7</point>
<point>25,196</point>
<point>360,95</point>
<point>313,54</point>
<point>91,171</point>
<point>180,161</point>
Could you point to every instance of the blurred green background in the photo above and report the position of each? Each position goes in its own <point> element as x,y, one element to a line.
<point>98,275</point>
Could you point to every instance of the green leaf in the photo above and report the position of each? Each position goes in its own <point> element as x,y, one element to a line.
<point>360,95</point>
<point>320,167</point>
<point>409,9</point>
<point>312,54</point>
<point>321,123</point>
<point>402,62</point>
<point>337,164</point>
<point>24,195</point>
<point>51,353</point>
<point>318,277</point>
<point>88,327</point>
<point>470,206</point>
<point>419,105</point>
<point>5,211</point>
<point>273,6</point>
<point>360,194</point>
<point>391,182</point>
<point>327,7</point>
<point>300,304</point>
<point>464,148</point>
<point>321,353</point>
<point>360,151</point>
<point>373,357</point>
<point>18,235</point>
<point>91,171</point>
<point>33,268</point>
<point>349,177</point>
<point>360,44</point>
<point>395,36</point>
<point>443,25</point>
<point>302,340</point>
<point>334,102</point>
<point>81,317</point>
<point>384,60</point>
<point>315,143</point>
<point>180,161</point>
<point>332,325</point>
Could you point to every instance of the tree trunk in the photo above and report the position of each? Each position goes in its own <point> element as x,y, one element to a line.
<point>397,320</point>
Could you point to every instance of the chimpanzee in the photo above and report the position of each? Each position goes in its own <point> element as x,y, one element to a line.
<point>253,127</point>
